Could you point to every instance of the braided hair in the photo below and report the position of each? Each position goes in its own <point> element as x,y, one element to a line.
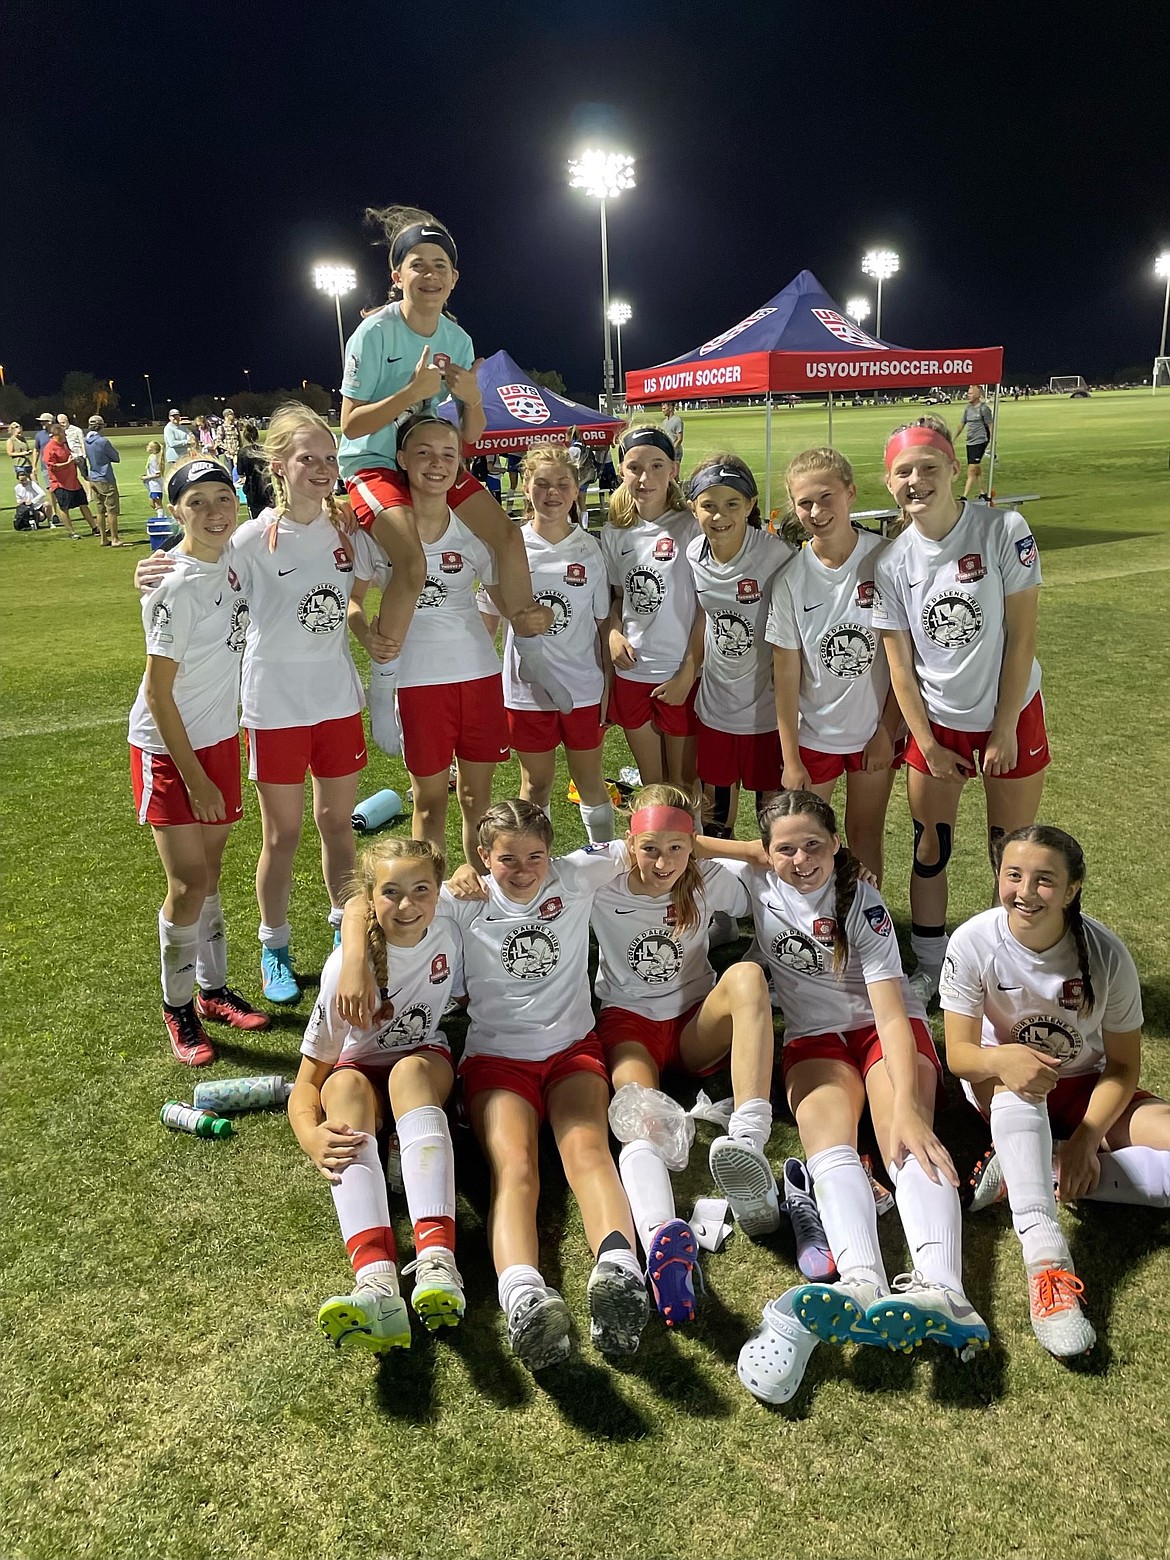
<point>514,817</point>
<point>285,423</point>
<point>793,804</point>
<point>364,880</point>
<point>1056,840</point>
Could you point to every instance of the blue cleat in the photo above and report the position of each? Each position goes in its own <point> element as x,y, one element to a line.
<point>280,983</point>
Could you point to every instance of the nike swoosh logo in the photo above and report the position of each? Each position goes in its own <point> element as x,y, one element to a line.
<point>914,584</point>
<point>1032,752</point>
<point>282,572</point>
<point>626,912</point>
<point>1002,987</point>
<point>813,609</point>
<point>219,600</point>
<point>394,360</point>
<point>626,551</point>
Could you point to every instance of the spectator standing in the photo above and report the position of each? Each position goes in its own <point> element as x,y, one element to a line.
<point>64,483</point>
<point>177,439</point>
<point>20,451</point>
<point>42,436</point>
<point>672,427</point>
<point>252,470</point>
<point>101,457</point>
<point>977,421</point>
<point>75,440</point>
<point>229,440</point>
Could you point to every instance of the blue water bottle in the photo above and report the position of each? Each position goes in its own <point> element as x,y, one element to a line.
<point>381,808</point>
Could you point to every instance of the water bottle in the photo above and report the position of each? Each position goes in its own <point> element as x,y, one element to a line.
<point>225,1096</point>
<point>382,807</point>
<point>186,1118</point>
<point>394,1179</point>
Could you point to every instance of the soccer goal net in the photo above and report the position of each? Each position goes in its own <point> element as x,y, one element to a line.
<point>1161,372</point>
<point>1063,383</point>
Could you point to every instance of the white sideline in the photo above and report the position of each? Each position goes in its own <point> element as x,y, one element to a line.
<point>53,728</point>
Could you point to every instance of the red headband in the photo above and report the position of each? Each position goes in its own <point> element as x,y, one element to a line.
<point>670,820</point>
<point>908,438</point>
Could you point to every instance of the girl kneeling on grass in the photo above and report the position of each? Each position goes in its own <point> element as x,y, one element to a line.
<point>662,1009</point>
<point>354,1077</point>
<point>1053,1049</point>
<point>185,753</point>
<point>854,1034</point>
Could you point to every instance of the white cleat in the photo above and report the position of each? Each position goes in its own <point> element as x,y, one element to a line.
<point>437,1297</point>
<point>1054,1295</point>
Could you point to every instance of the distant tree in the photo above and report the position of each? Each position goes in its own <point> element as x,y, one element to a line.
<point>547,379</point>
<point>85,394</point>
<point>15,406</point>
<point>199,406</point>
<point>313,395</point>
<point>1132,374</point>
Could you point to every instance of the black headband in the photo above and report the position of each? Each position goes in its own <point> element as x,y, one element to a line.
<point>654,436</point>
<point>723,476</point>
<point>196,471</point>
<point>422,233</point>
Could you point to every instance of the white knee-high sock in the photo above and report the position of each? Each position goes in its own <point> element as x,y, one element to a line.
<point>647,1185</point>
<point>845,1201</point>
<point>514,1284</point>
<point>1137,1176</point>
<point>428,1164</point>
<point>598,822</point>
<point>363,1212</point>
<point>931,1222</point>
<point>1022,1134</point>
<point>211,952</point>
<point>752,1122</point>
<point>177,945</point>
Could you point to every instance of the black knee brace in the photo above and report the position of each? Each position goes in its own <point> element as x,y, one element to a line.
<point>995,839</point>
<point>943,835</point>
<point>720,808</point>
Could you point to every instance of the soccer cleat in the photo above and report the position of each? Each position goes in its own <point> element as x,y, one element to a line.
<point>837,1313</point>
<point>985,1185</point>
<point>917,1313</point>
<point>724,929</point>
<point>773,1361</point>
<point>924,985</point>
<point>280,983</point>
<point>336,937</point>
<point>538,1329</point>
<point>883,1198</point>
<point>188,1040</point>
<point>742,1173</point>
<point>226,1006</point>
<point>671,1265</point>
<point>813,1257</point>
<point>1054,1295</point>
<point>372,1320</point>
<point>618,1309</point>
<point>437,1296</point>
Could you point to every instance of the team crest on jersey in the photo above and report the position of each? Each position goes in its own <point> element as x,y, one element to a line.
<point>825,929</point>
<point>451,562</point>
<point>848,650</point>
<point>879,918</point>
<point>322,610</point>
<point>351,368</point>
<point>797,951</point>
<point>664,549</point>
<point>645,590</point>
<point>549,909</point>
<point>433,593</point>
<point>1049,1035</point>
<point>530,953</point>
<point>440,969</point>
<point>654,957</point>
<point>1072,994</point>
<point>865,593</point>
<point>525,403</point>
<point>732,634</point>
<point>237,626</point>
<point>409,1027</point>
<point>668,916</point>
<point>559,606</point>
<point>160,622</point>
<point>342,560</point>
<point>970,568</point>
<point>1026,550</point>
<point>747,592</point>
<point>233,578</point>
<point>952,619</point>
<point>575,574</point>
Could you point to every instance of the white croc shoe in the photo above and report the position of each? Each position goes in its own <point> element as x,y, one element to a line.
<point>772,1362</point>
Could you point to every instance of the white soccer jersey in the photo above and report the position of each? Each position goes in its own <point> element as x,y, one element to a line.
<point>1027,998</point>
<point>645,963</point>
<point>447,641</point>
<point>420,982</point>
<point>950,596</point>
<point>527,966</point>
<point>297,665</point>
<point>647,562</point>
<point>796,933</point>
<point>569,577</point>
<point>827,614</point>
<point>735,690</point>
<point>198,616</point>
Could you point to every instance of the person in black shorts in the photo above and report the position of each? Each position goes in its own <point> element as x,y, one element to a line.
<point>977,420</point>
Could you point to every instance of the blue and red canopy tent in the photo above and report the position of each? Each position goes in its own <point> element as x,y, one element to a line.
<point>800,342</point>
<point>520,413</point>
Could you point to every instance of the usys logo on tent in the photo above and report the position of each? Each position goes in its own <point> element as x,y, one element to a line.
<point>736,330</point>
<point>524,402</point>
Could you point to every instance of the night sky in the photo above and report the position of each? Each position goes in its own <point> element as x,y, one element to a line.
<point>188,163</point>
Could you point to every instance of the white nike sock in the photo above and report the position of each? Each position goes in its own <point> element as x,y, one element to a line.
<point>930,952</point>
<point>515,1283</point>
<point>211,952</point>
<point>1022,1134</point>
<point>275,936</point>
<point>335,914</point>
<point>647,1185</point>
<point>845,1200</point>
<point>598,822</point>
<point>363,1212</point>
<point>932,1223</point>
<point>1137,1176</point>
<point>428,1164</point>
<point>177,945</point>
<point>751,1122</point>
<point>623,1257</point>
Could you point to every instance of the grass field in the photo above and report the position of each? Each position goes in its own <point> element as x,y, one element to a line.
<point>165,1392</point>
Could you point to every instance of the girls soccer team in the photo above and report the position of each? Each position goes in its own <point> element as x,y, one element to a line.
<point>665,630</point>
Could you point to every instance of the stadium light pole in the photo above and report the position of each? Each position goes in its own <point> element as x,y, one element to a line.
<point>620,314</point>
<point>1162,268</point>
<point>150,394</point>
<point>336,280</point>
<point>603,176</point>
<point>881,265</point>
<point>857,309</point>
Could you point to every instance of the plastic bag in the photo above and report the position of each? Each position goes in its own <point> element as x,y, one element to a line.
<point>717,1113</point>
<point>648,1114</point>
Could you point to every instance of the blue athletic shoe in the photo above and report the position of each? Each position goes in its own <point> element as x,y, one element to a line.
<point>672,1264</point>
<point>337,937</point>
<point>280,983</point>
<point>917,1313</point>
<point>837,1313</point>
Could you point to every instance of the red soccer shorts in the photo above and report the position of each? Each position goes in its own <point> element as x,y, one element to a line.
<point>328,750</point>
<point>160,796</point>
<point>661,1037</point>
<point>631,707</point>
<point>1032,753</point>
<point>379,487</point>
<point>539,731</point>
<point>532,1081</point>
<point>862,1047</point>
<point>823,767</point>
<point>453,720</point>
<point>753,761</point>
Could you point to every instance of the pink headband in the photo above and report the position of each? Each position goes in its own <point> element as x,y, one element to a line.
<point>908,438</point>
<point>670,820</point>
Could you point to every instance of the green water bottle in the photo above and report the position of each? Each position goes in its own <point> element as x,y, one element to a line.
<point>185,1118</point>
